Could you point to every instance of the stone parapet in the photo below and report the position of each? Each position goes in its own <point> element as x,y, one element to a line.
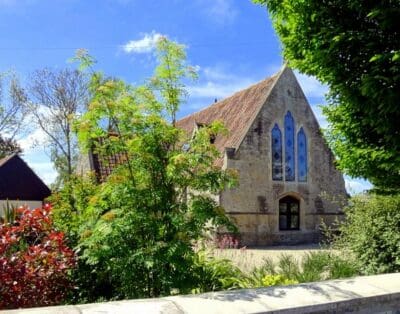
<point>370,294</point>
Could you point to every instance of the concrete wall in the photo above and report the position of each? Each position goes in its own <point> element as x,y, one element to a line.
<point>254,203</point>
<point>373,294</point>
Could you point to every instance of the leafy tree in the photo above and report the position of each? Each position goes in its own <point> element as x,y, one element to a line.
<point>354,47</point>
<point>34,261</point>
<point>372,232</point>
<point>144,218</point>
<point>70,205</point>
<point>55,98</point>
<point>8,146</point>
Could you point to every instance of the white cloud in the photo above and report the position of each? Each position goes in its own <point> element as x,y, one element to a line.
<point>44,169</point>
<point>35,157</point>
<point>355,186</point>
<point>29,144</point>
<point>220,11</point>
<point>216,73</point>
<point>219,90</point>
<point>144,45</point>
<point>215,83</point>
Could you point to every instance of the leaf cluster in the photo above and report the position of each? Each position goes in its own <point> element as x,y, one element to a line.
<point>372,232</point>
<point>34,261</point>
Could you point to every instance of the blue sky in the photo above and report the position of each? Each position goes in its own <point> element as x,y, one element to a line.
<point>230,41</point>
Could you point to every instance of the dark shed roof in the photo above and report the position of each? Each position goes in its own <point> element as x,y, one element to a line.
<point>18,181</point>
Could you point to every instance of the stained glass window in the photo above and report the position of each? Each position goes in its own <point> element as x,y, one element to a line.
<point>302,155</point>
<point>289,147</point>
<point>276,153</point>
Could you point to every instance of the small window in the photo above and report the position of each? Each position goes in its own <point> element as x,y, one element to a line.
<point>289,214</point>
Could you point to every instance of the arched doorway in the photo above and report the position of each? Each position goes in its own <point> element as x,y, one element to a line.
<point>289,213</point>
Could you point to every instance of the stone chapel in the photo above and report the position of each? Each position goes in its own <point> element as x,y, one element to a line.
<point>288,183</point>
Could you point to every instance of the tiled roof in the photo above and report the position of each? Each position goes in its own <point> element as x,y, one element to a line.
<point>236,112</point>
<point>104,164</point>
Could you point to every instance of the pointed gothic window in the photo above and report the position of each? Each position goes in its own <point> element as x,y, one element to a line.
<point>289,148</point>
<point>302,155</point>
<point>276,153</point>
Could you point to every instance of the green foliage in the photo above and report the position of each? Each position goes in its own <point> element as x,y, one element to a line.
<point>70,206</point>
<point>277,280</point>
<point>372,232</point>
<point>212,274</point>
<point>169,73</point>
<point>314,266</point>
<point>352,46</point>
<point>84,59</point>
<point>8,213</point>
<point>141,223</point>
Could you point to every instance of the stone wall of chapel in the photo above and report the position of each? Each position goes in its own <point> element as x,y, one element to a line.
<point>253,204</point>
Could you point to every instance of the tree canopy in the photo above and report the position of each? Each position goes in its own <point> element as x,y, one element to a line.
<point>136,232</point>
<point>354,47</point>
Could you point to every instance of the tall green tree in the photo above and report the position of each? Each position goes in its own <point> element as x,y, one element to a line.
<point>354,47</point>
<point>144,219</point>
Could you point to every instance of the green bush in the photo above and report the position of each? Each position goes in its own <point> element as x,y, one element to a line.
<point>70,206</point>
<point>372,232</point>
<point>314,266</point>
<point>277,280</point>
<point>212,274</point>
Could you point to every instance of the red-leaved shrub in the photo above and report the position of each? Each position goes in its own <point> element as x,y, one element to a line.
<point>34,261</point>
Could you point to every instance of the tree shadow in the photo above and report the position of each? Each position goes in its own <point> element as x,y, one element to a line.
<point>328,290</point>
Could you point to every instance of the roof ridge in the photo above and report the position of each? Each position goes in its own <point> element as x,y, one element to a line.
<point>237,112</point>
<point>276,77</point>
<point>232,95</point>
<point>5,159</point>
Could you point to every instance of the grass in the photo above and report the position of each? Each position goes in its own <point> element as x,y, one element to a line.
<point>281,267</point>
<point>248,259</point>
